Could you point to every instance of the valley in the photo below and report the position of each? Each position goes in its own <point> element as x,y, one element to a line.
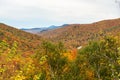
<point>73,52</point>
<point>80,34</point>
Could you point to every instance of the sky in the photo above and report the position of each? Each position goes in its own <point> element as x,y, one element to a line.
<point>44,13</point>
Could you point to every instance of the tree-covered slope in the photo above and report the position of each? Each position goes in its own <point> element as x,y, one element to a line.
<point>99,60</point>
<point>24,39</point>
<point>75,35</point>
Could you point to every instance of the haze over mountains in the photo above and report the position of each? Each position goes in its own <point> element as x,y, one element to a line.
<point>72,35</point>
<point>66,52</point>
<point>37,30</point>
<point>79,34</point>
<point>60,40</point>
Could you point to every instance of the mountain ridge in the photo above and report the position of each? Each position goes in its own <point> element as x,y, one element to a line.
<point>80,34</point>
<point>72,35</point>
<point>37,30</point>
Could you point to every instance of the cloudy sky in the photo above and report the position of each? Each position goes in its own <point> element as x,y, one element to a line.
<point>43,13</point>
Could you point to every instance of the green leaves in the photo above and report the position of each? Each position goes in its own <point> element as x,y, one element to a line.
<point>3,46</point>
<point>103,56</point>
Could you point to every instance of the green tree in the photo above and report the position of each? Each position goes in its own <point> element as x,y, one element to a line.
<point>102,57</point>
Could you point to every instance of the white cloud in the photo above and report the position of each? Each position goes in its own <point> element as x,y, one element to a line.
<point>47,12</point>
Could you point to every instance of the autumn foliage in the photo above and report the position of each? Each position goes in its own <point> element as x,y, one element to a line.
<point>24,56</point>
<point>99,60</point>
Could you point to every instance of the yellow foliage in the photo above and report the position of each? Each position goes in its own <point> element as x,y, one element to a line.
<point>90,74</point>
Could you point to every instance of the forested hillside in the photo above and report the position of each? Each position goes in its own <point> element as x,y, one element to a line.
<point>24,56</point>
<point>79,34</point>
<point>24,39</point>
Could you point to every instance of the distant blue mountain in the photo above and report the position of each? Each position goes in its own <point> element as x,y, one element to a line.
<point>38,30</point>
<point>54,27</point>
<point>33,30</point>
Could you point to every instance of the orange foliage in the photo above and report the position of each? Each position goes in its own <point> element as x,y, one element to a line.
<point>71,56</point>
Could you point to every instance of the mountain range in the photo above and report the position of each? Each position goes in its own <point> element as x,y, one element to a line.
<point>75,35</point>
<point>72,35</point>
<point>37,30</point>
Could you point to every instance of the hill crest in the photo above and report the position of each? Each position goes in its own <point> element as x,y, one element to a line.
<point>79,34</point>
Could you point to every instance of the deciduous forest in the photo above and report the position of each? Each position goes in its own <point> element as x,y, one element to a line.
<point>25,56</point>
